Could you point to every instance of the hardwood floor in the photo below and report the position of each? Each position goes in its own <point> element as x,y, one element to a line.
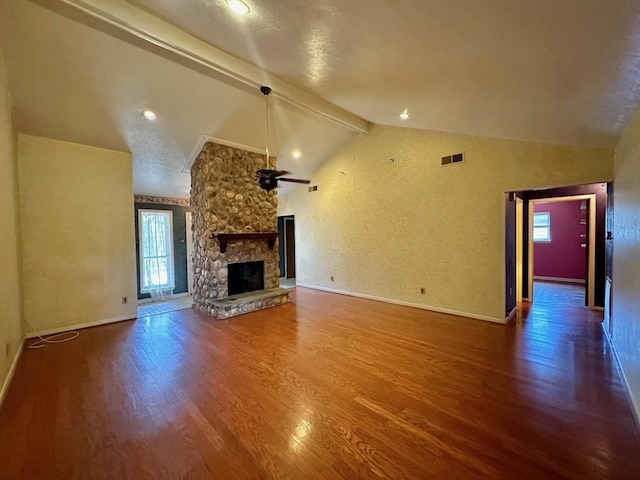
<point>328,387</point>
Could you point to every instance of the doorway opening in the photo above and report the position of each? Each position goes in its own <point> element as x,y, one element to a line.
<point>562,250</point>
<point>164,245</point>
<point>555,246</point>
<point>287,250</point>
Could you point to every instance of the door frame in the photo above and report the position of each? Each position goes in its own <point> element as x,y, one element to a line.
<point>519,242</point>
<point>591,244</point>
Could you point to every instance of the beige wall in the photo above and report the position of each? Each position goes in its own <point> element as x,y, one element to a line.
<point>386,229</point>
<point>78,248</point>
<point>10,296</point>
<point>626,256</point>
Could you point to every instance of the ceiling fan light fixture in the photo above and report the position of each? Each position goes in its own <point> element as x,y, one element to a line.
<point>238,7</point>
<point>405,115</point>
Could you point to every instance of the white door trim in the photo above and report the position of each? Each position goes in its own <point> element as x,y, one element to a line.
<point>519,240</point>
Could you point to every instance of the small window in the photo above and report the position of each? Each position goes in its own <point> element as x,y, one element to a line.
<point>156,250</point>
<point>542,227</point>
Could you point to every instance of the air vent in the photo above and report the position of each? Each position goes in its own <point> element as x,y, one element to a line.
<point>313,189</point>
<point>449,159</point>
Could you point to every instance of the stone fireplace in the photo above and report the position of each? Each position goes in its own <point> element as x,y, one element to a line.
<point>234,222</point>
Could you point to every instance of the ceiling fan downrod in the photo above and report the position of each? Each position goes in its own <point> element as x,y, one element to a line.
<point>266,91</point>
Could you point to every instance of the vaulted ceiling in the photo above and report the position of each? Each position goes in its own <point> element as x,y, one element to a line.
<point>554,71</point>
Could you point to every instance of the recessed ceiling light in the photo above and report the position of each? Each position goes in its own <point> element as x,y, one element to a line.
<point>238,7</point>
<point>149,114</point>
<point>404,115</point>
<point>296,154</point>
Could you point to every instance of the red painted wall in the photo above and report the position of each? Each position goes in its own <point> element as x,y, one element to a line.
<point>563,257</point>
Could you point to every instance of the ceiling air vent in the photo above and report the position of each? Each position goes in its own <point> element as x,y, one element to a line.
<point>450,159</point>
<point>313,189</point>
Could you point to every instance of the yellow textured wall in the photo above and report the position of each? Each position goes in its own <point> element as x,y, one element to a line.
<point>78,248</point>
<point>387,228</point>
<point>626,256</point>
<point>10,296</point>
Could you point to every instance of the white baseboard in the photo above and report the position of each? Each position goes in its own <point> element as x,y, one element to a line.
<point>80,326</point>
<point>580,281</point>
<point>512,315</point>
<point>635,406</point>
<point>406,304</point>
<point>142,301</point>
<point>12,370</point>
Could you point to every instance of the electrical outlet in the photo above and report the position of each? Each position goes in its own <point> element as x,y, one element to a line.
<point>332,278</point>
<point>422,290</point>
<point>125,300</point>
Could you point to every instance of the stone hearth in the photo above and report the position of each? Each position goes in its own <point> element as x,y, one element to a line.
<point>249,302</point>
<point>226,198</point>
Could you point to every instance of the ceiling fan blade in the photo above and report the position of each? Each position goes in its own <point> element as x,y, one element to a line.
<point>294,180</point>
<point>265,172</point>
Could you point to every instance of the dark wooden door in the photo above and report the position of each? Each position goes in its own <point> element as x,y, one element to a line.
<point>608,252</point>
<point>608,246</point>
<point>290,246</point>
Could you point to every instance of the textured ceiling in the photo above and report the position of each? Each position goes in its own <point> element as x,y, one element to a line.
<point>74,83</point>
<point>557,71</point>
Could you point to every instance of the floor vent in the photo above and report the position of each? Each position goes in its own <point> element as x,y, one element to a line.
<point>450,159</point>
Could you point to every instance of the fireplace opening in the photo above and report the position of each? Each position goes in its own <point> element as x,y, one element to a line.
<point>245,277</point>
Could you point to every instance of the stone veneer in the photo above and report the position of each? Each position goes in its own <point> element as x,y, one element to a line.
<point>226,198</point>
<point>182,202</point>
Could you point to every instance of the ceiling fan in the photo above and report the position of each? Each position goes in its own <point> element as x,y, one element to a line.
<point>267,177</point>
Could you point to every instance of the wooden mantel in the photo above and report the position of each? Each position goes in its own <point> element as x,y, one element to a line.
<point>225,238</point>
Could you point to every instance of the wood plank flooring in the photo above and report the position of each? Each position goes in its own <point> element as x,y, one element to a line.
<point>327,387</point>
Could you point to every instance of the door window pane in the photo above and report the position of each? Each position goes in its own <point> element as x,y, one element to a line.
<point>156,250</point>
